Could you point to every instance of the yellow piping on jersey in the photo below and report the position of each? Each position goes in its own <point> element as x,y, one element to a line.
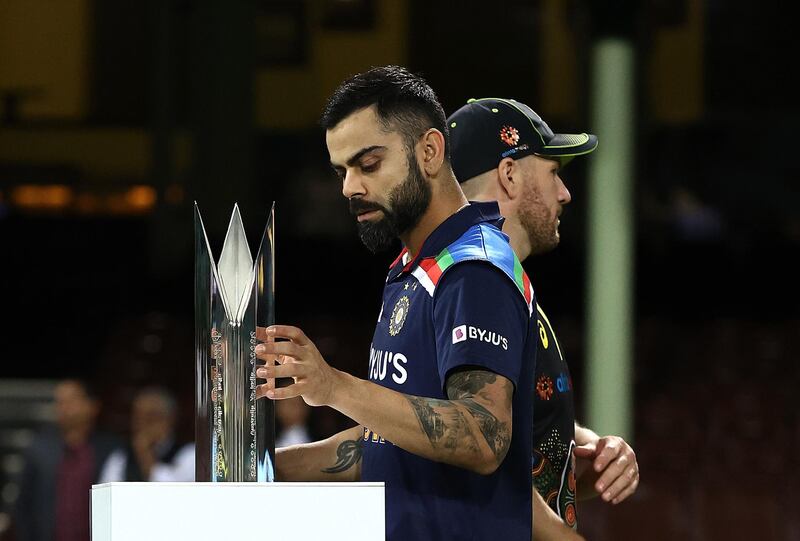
<point>541,313</point>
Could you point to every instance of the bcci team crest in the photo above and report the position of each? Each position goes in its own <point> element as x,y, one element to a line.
<point>399,315</point>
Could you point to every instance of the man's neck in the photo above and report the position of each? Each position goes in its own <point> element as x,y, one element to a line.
<point>517,238</point>
<point>446,200</point>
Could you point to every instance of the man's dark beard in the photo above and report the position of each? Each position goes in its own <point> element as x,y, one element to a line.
<point>408,202</point>
<point>535,220</point>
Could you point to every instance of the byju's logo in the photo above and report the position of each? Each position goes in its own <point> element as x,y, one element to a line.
<point>459,334</point>
<point>462,332</point>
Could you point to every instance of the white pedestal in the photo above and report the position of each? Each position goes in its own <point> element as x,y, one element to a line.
<point>233,511</point>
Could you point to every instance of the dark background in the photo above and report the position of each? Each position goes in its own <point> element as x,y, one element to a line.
<point>174,101</point>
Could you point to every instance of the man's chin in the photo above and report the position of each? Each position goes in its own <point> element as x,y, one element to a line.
<point>544,246</point>
<point>376,236</point>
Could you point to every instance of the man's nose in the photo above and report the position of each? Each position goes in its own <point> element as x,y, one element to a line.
<point>563,193</point>
<point>352,185</point>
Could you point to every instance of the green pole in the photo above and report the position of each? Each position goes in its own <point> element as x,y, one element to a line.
<point>610,241</point>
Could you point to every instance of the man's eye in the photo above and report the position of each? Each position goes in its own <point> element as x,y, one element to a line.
<point>370,167</point>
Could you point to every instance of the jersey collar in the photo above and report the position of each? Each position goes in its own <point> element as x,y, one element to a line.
<point>448,232</point>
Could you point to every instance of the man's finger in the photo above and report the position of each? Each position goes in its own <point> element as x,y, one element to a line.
<point>619,485</point>
<point>286,331</point>
<point>282,393</point>
<point>611,472</point>
<point>288,370</point>
<point>585,451</point>
<point>279,359</point>
<point>261,334</point>
<point>261,390</point>
<point>268,350</point>
<point>630,489</point>
<point>606,452</point>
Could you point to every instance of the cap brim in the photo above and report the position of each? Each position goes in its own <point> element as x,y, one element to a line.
<point>566,146</point>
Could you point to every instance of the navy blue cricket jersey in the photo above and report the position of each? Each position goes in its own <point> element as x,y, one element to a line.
<point>464,301</point>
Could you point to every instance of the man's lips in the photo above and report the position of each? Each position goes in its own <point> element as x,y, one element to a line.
<point>367,215</point>
<point>364,210</point>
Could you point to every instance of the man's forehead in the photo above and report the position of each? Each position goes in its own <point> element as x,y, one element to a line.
<point>359,130</point>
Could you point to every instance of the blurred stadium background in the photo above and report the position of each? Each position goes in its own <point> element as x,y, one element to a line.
<point>116,116</point>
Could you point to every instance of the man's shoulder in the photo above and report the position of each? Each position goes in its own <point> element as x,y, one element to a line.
<point>485,243</point>
<point>480,242</point>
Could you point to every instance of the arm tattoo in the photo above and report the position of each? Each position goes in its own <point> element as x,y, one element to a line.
<point>462,387</point>
<point>495,432</point>
<point>468,383</point>
<point>347,454</point>
<point>443,423</point>
<point>430,421</point>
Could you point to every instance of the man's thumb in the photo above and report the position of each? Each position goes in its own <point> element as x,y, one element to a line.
<point>585,451</point>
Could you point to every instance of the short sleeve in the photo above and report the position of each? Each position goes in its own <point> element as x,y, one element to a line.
<point>481,319</point>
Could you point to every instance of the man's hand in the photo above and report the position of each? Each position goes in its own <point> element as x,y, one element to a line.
<point>607,467</point>
<point>297,358</point>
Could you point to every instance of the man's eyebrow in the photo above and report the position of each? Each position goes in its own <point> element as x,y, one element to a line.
<point>357,156</point>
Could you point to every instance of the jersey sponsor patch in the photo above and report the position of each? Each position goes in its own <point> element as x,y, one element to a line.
<point>465,332</point>
<point>459,334</point>
<point>387,363</point>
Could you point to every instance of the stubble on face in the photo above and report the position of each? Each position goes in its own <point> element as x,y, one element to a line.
<point>538,221</point>
<point>407,203</point>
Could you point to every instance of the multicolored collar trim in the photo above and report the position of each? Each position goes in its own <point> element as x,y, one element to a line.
<point>448,232</point>
<point>481,242</point>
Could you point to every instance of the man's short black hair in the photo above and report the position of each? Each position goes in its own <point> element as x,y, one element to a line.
<point>404,102</point>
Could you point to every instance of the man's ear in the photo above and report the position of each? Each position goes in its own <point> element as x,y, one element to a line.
<point>509,179</point>
<point>432,151</point>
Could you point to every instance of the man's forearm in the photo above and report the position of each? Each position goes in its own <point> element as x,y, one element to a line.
<point>547,525</point>
<point>471,430</point>
<point>337,458</point>
<point>467,431</point>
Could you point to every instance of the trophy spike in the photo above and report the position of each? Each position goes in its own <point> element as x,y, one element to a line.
<point>236,266</point>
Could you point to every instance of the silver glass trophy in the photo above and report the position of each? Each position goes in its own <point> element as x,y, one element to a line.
<point>235,433</point>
